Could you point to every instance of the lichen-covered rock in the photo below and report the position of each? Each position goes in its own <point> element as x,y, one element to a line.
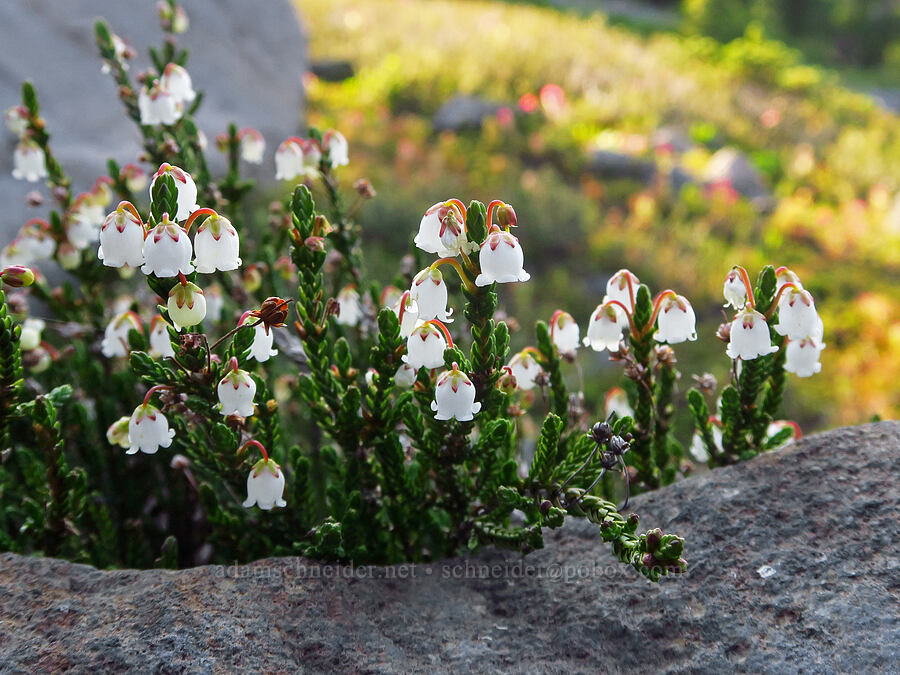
<point>793,566</point>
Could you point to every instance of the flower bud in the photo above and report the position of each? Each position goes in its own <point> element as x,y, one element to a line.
<point>186,305</point>
<point>454,396</point>
<point>216,246</point>
<point>265,486</point>
<point>167,250</point>
<point>117,434</point>
<point>17,276</point>
<point>148,430</point>
<point>506,216</point>
<point>184,185</point>
<point>364,188</point>
<point>501,259</point>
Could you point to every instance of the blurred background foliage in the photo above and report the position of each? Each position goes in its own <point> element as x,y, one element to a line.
<point>669,152</point>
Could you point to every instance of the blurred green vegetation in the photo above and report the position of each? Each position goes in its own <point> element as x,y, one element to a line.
<point>831,159</point>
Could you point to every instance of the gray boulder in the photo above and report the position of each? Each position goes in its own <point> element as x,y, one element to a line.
<point>793,567</point>
<point>732,165</point>
<point>248,57</point>
<point>611,165</point>
<point>463,112</point>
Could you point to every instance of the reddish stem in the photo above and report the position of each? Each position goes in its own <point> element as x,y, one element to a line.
<point>403,300</point>
<point>553,320</point>
<point>152,390</point>
<point>774,307</point>
<point>234,363</point>
<point>259,445</point>
<point>196,214</point>
<point>490,212</point>
<point>657,304</point>
<point>747,285</point>
<point>443,328</point>
<point>627,314</point>
<point>462,208</point>
<point>128,206</point>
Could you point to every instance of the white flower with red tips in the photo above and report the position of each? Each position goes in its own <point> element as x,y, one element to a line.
<point>335,148</point>
<point>501,259</point>
<point>405,377</point>
<point>351,311</point>
<point>749,336</point>
<point>616,401</point>
<point>117,433</point>
<point>734,290</point>
<point>122,238</point>
<point>35,241</point>
<point>425,347</point>
<point>802,356</point>
<point>253,145</point>
<point>564,332</point>
<point>265,484</point>
<point>167,250</point>
<point>676,320</point>
<point>16,119</point>
<point>429,291</point>
<point>115,337</point>
<point>442,230</point>
<point>134,176</point>
<point>184,185</point>
<point>236,391</point>
<point>407,311</point>
<point>454,396</point>
<point>622,287</point>
<point>160,342</point>
<point>783,276</point>
<point>605,328</point>
<point>297,157</point>
<point>177,82</point>
<point>797,316</point>
<point>525,368</point>
<point>156,105</point>
<point>29,162</point>
<point>186,304</point>
<point>216,244</point>
<point>263,339</point>
<point>148,430</point>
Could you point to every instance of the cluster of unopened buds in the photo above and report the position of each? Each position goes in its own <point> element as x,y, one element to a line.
<point>748,334</point>
<point>305,157</point>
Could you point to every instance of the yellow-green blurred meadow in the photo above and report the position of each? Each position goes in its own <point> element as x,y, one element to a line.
<point>830,160</point>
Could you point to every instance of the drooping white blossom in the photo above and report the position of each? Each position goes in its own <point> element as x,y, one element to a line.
<point>797,316</point>
<point>177,82</point>
<point>115,337</point>
<point>405,377</point>
<point>156,105</point>
<point>216,246</point>
<point>297,157</point>
<point>526,369</point>
<point>122,239</point>
<point>265,486</point>
<point>30,338</point>
<point>749,336</point>
<point>501,259</point>
<point>605,328</point>
<point>621,287</point>
<point>802,356</point>
<point>429,291</point>
<point>236,391</point>
<point>167,250</point>
<point>564,332</point>
<point>261,348</point>
<point>351,308</point>
<point>253,146</point>
<point>407,311</point>
<point>425,347</point>
<point>335,147</point>
<point>734,290</point>
<point>160,343</point>
<point>148,430</point>
<point>442,231</point>
<point>29,162</point>
<point>676,320</point>
<point>454,396</point>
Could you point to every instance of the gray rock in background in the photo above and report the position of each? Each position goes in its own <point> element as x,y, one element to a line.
<point>249,58</point>
<point>794,566</point>
<point>464,112</point>
<point>734,166</point>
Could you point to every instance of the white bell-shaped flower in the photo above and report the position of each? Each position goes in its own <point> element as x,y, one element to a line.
<point>122,239</point>
<point>148,430</point>
<point>616,401</point>
<point>351,308</point>
<point>68,256</point>
<point>622,287</point>
<point>425,347</point>
<point>336,149</point>
<point>676,321</point>
<point>117,433</point>
<point>797,316</point>
<point>802,356</point>
<point>29,162</point>
<point>429,291</point>
<point>605,329</point>
<point>564,332</point>
<point>405,377</point>
<point>115,337</point>
<point>261,347</point>
<point>783,275</point>
<point>177,82</point>
<point>778,426</point>
<point>296,157</point>
<point>167,250</point>
<point>35,241</point>
<point>16,119</point>
<point>184,185</point>
<point>157,106</point>
<point>265,486</point>
<point>253,146</point>
<point>236,391</point>
<point>30,338</point>
<point>407,311</point>
<point>734,290</point>
<point>698,447</point>
<point>454,396</point>
<point>749,336</point>
<point>526,369</point>
<point>186,305</point>
<point>135,177</point>
<point>501,259</point>
<point>216,246</point>
<point>442,230</point>
<point>160,342</point>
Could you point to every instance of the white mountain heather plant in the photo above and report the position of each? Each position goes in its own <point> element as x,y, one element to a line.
<point>387,433</point>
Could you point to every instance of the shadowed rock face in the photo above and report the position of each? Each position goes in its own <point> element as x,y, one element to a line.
<point>248,57</point>
<point>821,514</point>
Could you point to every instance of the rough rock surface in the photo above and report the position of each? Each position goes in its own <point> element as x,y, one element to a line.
<point>248,57</point>
<point>793,568</point>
